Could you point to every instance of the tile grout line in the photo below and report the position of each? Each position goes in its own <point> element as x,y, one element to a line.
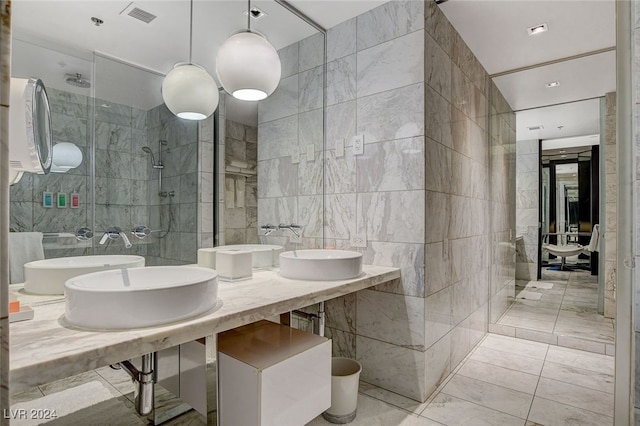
<point>537,384</point>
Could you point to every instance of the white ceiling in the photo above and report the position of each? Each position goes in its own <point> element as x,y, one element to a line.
<point>560,121</point>
<point>495,30</point>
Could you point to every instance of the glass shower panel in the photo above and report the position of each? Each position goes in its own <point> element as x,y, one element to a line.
<point>146,166</point>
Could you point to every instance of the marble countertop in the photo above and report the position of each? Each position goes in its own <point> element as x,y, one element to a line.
<point>44,350</point>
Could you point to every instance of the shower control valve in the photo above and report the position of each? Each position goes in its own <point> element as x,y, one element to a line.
<point>84,234</point>
<point>141,231</point>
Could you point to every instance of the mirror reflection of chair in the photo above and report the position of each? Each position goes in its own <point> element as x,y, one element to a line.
<point>565,248</point>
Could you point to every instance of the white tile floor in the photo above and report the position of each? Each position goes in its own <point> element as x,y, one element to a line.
<point>503,381</point>
<point>566,314</point>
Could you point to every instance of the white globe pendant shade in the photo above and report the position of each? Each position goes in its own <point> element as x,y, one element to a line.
<point>248,66</point>
<point>190,92</point>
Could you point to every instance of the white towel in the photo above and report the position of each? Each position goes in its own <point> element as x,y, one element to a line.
<point>241,164</point>
<point>23,247</point>
<point>230,192</point>
<point>594,243</point>
<point>240,188</point>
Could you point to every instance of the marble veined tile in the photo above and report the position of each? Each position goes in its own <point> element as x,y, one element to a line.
<point>373,412</point>
<point>438,117</point>
<point>401,322</point>
<point>340,172</point>
<point>311,52</point>
<point>341,40</point>
<point>392,166</point>
<point>394,114</point>
<point>391,20</point>
<point>503,359</point>
<point>289,59</point>
<point>392,367</point>
<point>437,315</point>
<point>283,102</point>
<point>341,80</point>
<point>277,138</point>
<point>588,361</point>
<point>394,399</point>
<point>340,215</point>
<point>516,346</point>
<point>437,68</point>
<point>576,396</point>
<point>281,177</point>
<point>578,376</point>
<point>310,92</point>
<point>489,395</point>
<point>341,122</point>
<point>310,215</point>
<point>501,376</point>
<point>408,257</point>
<point>392,216</point>
<point>450,410</point>
<point>310,130</point>
<point>553,413</point>
<point>395,63</point>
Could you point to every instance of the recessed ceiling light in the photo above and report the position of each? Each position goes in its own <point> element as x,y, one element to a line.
<point>256,13</point>
<point>553,84</point>
<point>540,127</point>
<point>562,151</point>
<point>537,29</point>
<point>563,156</point>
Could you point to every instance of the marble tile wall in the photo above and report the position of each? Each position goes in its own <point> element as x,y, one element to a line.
<point>206,181</point>
<point>527,208</point>
<point>290,149</point>
<point>241,219</point>
<point>420,192</point>
<point>175,216</point>
<point>610,227</point>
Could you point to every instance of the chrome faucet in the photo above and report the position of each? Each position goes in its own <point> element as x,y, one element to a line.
<point>268,229</point>
<point>296,229</point>
<point>113,233</point>
<point>84,234</point>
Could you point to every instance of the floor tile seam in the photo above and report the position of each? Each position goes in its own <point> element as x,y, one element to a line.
<point>560,308</point>
<point>537,384</point>
<point>517,353</point>
<point>452,373</point>
<point>572,383</point>
<point>390,403</point>
<point>500,366</point>
<point>484,406</point>
<point>573,406</point>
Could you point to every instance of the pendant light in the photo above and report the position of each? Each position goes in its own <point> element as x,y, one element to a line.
<point>247,65</point>
<point>188,90</point>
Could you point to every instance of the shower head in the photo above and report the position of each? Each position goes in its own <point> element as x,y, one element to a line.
<point>78,81</point>
<point>155,165</point>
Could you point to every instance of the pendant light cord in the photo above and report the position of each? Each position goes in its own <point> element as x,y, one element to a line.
<point>190,30</point>
<point>248,16</point>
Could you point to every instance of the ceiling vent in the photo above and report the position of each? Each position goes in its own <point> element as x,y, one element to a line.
<point>140,14</point>
<point>540,127</point>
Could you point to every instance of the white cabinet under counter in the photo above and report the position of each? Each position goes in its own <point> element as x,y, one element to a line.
<point>271,375</point>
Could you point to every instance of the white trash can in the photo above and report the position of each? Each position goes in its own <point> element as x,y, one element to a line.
<point>345,376</point>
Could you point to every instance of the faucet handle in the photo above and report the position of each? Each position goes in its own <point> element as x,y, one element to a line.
<point>141,231</point>
<point>84,234</point>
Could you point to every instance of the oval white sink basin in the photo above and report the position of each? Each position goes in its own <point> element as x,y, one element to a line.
<point>320,265</point>
<point>262,255</point>
<point>139,297</point>
<point>49,275</point>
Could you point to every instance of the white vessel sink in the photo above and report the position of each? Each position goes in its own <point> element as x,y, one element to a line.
<point>320,265</point>
<point>263,255</point>
<point>49,275</point>
<point>139,297</point>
